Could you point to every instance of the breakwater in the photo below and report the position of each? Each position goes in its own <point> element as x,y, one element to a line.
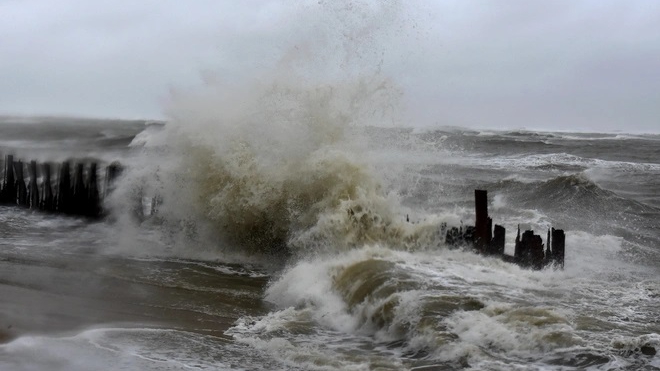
<point>69,187</point>
<point>484,238</point>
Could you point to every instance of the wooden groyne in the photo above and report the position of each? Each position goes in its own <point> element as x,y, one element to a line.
<point>488,240</point>
<point>74,192</point>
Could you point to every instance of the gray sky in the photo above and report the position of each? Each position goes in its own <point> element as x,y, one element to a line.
<point>556,65</point>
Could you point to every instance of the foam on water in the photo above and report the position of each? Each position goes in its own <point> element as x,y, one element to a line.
<point>121,348</point>
<point>561,161</point>
<point>450,305</point>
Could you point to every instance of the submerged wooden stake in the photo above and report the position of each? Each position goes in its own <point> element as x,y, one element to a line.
<point>48,203</point>
<point>498,241</point>
<point>482,231</point>
<point>558,247</point>
<point>34,187</point>
<point>79,191</point>
<point>8,196</point>
<point>529,250</point>
<point>491,241</point>
<point>64,189</point>
<point>93,202</point>
<point>112,172</point>
<point>20,184</point>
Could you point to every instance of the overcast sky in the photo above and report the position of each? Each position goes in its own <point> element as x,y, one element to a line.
<point>556,65</point>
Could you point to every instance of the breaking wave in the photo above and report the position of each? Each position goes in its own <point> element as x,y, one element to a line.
<point>275,162</point>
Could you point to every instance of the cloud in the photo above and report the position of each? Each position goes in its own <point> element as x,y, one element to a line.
<point>103,58</point>
<point>587,65</point>
<point>554,65</point>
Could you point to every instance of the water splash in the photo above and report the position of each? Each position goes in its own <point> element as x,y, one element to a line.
<point>273,155</point>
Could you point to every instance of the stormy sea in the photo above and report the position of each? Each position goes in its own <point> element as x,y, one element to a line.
<point>312,243</point>
<point>289,213</point>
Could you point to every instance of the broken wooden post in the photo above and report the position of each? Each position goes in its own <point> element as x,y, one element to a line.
<point>483,224</point>
<point>529,250</point>
<point>20,184</point>
<point>47,203</point>
<point>548,253</point>
<point>488,240</point>
<point>64,195</point>
<point>499,237</point>
<point>33,187</point>
<point>456,237</point>
<point>468,234</point>
<point>537,251</point>
<point>558,246</point>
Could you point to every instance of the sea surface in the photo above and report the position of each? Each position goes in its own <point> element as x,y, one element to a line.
<point>287,247</point>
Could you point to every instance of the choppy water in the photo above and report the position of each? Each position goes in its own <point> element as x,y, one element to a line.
<point>298,255</point>
<point>281,241</point>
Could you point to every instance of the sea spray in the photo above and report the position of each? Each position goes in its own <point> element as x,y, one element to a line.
<point>443,305</point>
<point>296,179</point>
<point>272,159</point>
<point>368,307</point>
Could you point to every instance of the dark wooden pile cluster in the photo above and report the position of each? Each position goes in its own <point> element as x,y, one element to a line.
<point>76,193</point>
<point>529,250</point>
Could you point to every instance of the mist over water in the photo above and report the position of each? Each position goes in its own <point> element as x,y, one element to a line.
<point>273,152</point>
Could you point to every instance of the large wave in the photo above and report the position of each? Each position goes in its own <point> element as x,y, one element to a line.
<point>273,159</point>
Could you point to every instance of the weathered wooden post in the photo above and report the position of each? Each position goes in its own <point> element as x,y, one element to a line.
<point>548,253</point>
<point>454,236</point>
<point>467,233</point>
<point>517,253</point>
<point>537,254</point>
<point>112,172</point>
<point>20,184</point>
<point>558,247</point>
<point>79,191</point>
<point>9,188</point>
<point>483,224</point>
<point>33,187</point>
<point>529,250</point>
<point>48,203</point>
<point>499,238</point>
<point>93,199</point>
<point>64,189</point>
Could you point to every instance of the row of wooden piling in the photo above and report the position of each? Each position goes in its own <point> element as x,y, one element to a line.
<point>488,240</point>
<point>78,193</point>
<point>72,193</point>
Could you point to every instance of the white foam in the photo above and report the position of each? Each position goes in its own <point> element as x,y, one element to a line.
<point>310,284</point>
<point>538,160</point>
<point>513,321</point>
<point>118,348</point>
<point>499,201</point>
<point>151,136</point>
